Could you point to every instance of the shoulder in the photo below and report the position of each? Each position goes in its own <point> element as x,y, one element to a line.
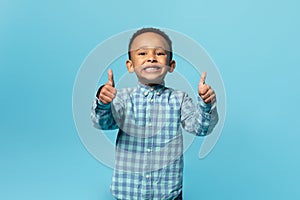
<point>178,96</point>
<point>125,90</point>
<point>176,93</point>
<point>126,93</point>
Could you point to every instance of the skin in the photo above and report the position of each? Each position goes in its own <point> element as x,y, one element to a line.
<point>150,62</point>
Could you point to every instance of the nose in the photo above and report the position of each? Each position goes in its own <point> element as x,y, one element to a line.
<point>152,57</point>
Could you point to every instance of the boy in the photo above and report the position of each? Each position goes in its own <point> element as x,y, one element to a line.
<point>149,146</point>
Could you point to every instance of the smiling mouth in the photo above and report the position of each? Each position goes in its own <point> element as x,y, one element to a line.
<point>152,69</point>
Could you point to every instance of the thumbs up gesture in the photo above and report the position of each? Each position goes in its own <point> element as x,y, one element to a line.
<point>108,91</point>
<point>205,91</point>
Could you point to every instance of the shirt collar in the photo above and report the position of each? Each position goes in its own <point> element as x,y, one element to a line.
<point>146,89</point>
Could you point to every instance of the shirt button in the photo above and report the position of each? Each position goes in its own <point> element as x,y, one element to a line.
<point>151,89</point>
<point>147,176</point>
<point>145,93</point>
<point>151,100</point>
<point>157,93</point>
<point>148,150</point>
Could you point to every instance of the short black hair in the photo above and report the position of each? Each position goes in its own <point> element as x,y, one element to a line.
<point>152,30</point>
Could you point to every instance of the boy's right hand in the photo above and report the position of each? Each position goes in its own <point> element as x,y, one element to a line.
<point>108,91</point>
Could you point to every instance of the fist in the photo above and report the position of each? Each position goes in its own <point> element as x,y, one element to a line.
<point>108,91</point>
<point>205,91</point>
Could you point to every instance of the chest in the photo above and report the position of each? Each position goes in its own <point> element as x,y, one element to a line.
<point>153,108</point>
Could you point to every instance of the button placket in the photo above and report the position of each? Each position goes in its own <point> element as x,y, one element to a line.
<point>151,101</point>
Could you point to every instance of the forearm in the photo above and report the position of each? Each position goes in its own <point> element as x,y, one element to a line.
<point>210,117</point>
<point>200,119</point>
<point>102,116</point>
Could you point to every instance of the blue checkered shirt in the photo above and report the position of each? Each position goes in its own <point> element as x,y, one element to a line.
<point>149,145</point>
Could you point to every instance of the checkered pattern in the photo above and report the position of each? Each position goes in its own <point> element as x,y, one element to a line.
<point>149,146</point>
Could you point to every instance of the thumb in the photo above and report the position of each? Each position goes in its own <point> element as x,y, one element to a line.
<point>110,81</point>
<point>203,77</point>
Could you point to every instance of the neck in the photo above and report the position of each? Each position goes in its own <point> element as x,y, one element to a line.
<point>152,84</point>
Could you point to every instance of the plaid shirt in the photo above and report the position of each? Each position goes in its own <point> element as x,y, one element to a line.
<point>149,145</point>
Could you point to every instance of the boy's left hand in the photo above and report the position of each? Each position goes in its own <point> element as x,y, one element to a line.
<point>205,91</point>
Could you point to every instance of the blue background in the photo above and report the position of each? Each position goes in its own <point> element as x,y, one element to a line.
<point>254,43</point>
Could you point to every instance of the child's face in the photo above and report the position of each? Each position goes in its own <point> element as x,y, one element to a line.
<point>150,59</point>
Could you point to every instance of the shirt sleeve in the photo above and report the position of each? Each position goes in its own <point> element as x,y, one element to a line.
<point>102,116</point>
<point>198,119</point>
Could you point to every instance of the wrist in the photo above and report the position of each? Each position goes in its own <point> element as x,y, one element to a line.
<point>204,106</point>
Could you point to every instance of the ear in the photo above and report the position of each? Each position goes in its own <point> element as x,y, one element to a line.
<point>172,65</point>
<point>129,66</point>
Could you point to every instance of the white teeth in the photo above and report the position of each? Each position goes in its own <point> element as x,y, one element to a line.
<point>151,69</point>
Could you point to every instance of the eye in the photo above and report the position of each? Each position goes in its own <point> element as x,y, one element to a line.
<point>141,53</point>
<point>160,53</point>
